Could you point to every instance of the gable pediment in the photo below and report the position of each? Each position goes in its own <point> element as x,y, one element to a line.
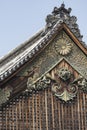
<point>62,46</point>
<point>9,65</point>
<point>43,82</point>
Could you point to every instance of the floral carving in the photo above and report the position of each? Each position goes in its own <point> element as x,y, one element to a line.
<point>65,94</point>
<point>4,95</point>
<point>40,84</point>
<point>63,86</point>
<point>83,84</point>
<point>63,46</point>
<point>62,81</point>
<point>64,74</point>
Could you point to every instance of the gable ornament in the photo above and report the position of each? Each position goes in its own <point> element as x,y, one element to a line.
<point>5,94</point>
<point>63,46</point>
<point>63,84</point>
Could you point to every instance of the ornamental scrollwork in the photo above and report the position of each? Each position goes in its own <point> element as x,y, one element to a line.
<point>4,95</point>
<point>65,94</point>
<point>64,74</point>
<point>82,83</point>
<point>63,84</point>
<point>39,85</point>
<point>66,85</point>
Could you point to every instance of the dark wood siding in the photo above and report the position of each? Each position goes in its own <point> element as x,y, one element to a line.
<point>44,111</point>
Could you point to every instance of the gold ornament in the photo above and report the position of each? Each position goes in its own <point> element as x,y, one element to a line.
<point>63,46</point>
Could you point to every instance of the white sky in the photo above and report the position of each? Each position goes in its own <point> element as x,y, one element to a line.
<point>20,19</point>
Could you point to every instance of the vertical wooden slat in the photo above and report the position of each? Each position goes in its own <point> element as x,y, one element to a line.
<point>17,116</point>
<point>29,112</point>
<point>0,119</point>
<point>83,97</point>
<point>56,113</point>
<point>33,113</point>
<point>59,116</point>
<point>41,109</point>
<point>26,111</point>
<point>30,115</point>
<point>62,116</point>
<point>22,121</point>
<point>36,107</point>
<point>81,115</point>
<point>6,120</point>
<point>10,124</point>
<point>46,110</point>
<point>72,117</point>
<point>52,109</point>
<point>39,112</point>
<point>85,108</point>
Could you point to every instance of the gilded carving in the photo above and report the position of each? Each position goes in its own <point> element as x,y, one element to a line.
<point>63,46</point>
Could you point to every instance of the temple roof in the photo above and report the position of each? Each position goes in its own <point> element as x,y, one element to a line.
<point>60,18</point>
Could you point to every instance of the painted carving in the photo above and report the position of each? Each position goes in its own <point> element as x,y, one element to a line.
<point>66,86</point>
<point>65,94</point>
<point>39,85</point>
<point>4,95</point>
<point>64,74</point>
<point>62,81</point>
<point>62,84</point>
<point>83,84</point>
<point>63,46</point>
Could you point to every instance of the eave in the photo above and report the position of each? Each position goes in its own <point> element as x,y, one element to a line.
<point>35,49</point>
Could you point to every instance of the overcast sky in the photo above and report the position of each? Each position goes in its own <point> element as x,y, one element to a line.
<point>20,19</point>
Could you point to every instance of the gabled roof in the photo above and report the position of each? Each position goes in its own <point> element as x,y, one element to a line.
<point>58,20</point>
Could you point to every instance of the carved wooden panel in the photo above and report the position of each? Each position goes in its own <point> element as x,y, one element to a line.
<point>43,111</point>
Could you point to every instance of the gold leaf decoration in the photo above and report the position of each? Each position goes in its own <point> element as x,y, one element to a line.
<point>63,46</point>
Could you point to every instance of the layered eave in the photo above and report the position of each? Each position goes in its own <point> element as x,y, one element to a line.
<point>26,51</point>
